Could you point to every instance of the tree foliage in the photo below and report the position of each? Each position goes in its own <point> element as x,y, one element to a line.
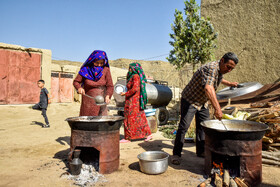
<point>193,38</point>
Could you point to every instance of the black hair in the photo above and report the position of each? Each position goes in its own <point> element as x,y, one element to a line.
<point>230,56</point>
<point>42,81</point>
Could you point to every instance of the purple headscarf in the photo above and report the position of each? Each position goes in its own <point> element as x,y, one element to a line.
<point>91,72</point>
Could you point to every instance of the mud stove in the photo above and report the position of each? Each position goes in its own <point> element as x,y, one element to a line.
<point>98,139</point>
<point>238,148</point>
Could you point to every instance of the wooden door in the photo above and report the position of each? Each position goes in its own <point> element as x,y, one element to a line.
<point>62,87</point>
<point>19,73</point>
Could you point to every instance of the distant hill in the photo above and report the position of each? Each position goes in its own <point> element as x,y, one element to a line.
<point>159,70</point>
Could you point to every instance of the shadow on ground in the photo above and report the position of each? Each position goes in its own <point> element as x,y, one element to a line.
<point>37,123</point>
<point>63,140</point>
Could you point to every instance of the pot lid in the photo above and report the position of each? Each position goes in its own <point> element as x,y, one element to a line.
<point>241,89</point>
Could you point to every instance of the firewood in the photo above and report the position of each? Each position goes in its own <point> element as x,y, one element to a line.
<point>218,181</point>
<point>232,183</point>
<point>226,178</point>
<point>273,120</point>
<point>275,145</point>
<point>258,105</point>
<point>267,140</point>
<point>240,182</point>
<point>270,148</point>
<point>205,183</point>
<point>277,140</point>
<point>270,162</point>
<point>275,154</point>
<point>254,114</point>
<point>265,116</point>
<point>267,156</point>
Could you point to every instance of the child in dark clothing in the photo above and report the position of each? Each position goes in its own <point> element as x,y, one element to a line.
<point>43,103</point>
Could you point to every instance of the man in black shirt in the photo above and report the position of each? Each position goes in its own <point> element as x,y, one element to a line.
<point>43,103</point>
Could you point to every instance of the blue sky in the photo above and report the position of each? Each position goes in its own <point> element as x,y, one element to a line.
<point>72,29</point>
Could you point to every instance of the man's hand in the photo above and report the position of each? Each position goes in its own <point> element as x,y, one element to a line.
<point>122,93</point>
<point>211,95</point>
<point>227,83</point>
<point>234,84</point>
<point>218,114</point>
<point>81,91</point>
<point>49,101</point>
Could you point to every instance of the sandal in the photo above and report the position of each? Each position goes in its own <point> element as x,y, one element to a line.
<point>176,160</point>
<point>148,138</point>
<point>124,141</point>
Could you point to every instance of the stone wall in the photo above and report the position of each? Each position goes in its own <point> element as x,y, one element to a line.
<point>251,29</point>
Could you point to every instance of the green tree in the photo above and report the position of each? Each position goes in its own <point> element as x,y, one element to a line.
<point>193,39</point>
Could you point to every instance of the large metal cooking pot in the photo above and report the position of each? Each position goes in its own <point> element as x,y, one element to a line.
<point>95,123</point>
<point>153,162</point>
<point>236,129</point>
<point>157,94</point>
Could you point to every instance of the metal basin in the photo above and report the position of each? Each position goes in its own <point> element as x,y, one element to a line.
<point>95,123</point>
<point>153,162</point>
<point>241,89</point>
<point>236,129</point>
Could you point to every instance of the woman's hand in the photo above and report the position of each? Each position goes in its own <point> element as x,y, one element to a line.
<point>107,99</point>
<point>122,93</point>
<point>81,91</point>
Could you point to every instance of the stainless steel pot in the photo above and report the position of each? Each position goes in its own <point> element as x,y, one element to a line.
<point>153,162</point>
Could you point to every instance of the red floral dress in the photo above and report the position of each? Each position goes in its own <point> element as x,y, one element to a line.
<point>135,122</point>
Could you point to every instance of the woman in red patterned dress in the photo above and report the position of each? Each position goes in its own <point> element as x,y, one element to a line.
<point>94,79</point>
<point>135,122</point>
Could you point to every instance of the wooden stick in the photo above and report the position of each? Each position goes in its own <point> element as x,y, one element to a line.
<point>270,162</point>
<point>232,183</point>
<point>276,154</point>
<point>218,181</point>
<point>239,182</point>
<point>205,183</point>
<point>226,178</point>
<point>264,155</point>
<point>267,139</point>
<point>265,116</point>
<point>273,120</point>
<point>272,148</point>
<point>275,144</point>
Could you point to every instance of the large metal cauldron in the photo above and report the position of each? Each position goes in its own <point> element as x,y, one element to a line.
<point>95,123</point>
<point>158,93</point>
<point>236,129</point>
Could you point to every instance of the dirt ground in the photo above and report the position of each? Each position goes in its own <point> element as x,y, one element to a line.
<point>33,156</point>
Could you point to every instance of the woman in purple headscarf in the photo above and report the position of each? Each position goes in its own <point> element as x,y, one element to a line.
<point>94,79</point>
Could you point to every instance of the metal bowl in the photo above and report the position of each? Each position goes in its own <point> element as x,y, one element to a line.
<point>153,162</point>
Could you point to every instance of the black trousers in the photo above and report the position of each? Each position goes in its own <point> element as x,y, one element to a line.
<point>187,113</point>
<point>44,112</point>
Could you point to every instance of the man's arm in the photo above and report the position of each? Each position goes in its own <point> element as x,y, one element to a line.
<point>211,95</point>
<point>227,83</point>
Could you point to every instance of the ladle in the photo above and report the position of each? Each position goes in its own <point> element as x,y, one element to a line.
<point>97,99</point>
<point>224,124</point>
